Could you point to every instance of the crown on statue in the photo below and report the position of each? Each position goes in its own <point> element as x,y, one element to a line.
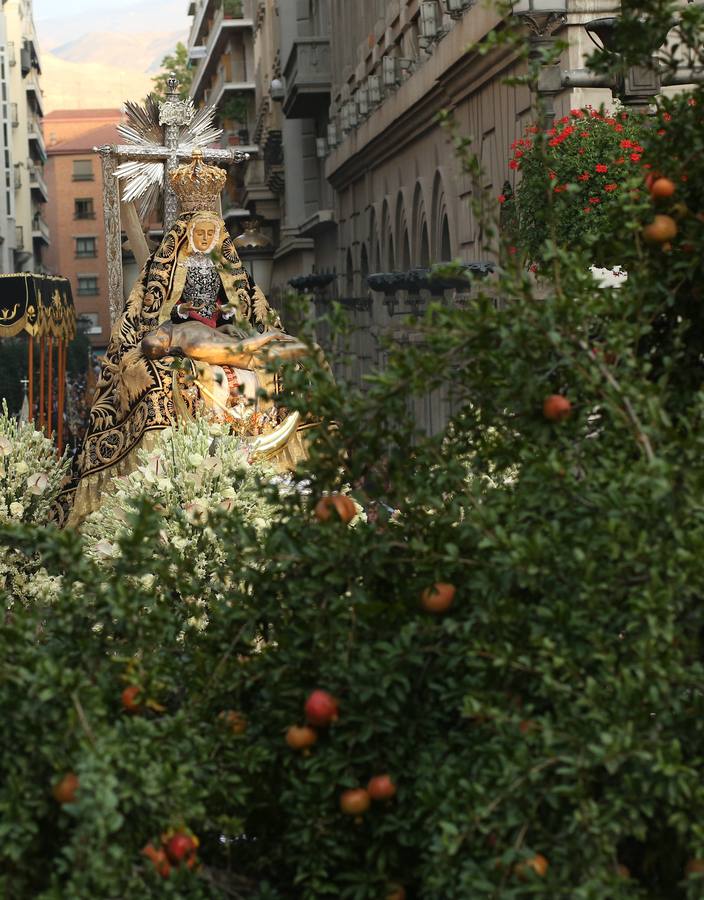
<point>198,186</point>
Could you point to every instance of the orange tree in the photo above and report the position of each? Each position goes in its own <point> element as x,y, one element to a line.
<point>539,715</point>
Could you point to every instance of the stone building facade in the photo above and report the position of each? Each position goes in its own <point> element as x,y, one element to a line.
<point>75,179</point>
<point>22,81</point>
<point>354,173</point>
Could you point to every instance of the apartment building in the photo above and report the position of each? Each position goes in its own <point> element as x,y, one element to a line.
<point>7,201</point>
<point>221,50</point>
<point>28,152</point>
<point>75,181</point>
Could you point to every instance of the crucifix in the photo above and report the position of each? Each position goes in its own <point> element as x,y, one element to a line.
<point>160,136</point>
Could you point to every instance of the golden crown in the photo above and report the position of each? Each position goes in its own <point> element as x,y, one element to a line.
<point>197,185</point>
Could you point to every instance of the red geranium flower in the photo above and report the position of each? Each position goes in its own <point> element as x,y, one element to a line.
<point>611,187</point>
<point>501,198</point>
<point>635,157</point>
<point>585,176</point>
<point>595,200</point>
<point>602,169</point>
<point>514,164</point>
<point>626,145</point>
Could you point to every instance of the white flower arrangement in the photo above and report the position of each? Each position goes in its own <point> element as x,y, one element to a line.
<point>31,476</point>
<point>194,472</point>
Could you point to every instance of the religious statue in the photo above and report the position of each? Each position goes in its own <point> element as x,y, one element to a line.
<point>196,337</point>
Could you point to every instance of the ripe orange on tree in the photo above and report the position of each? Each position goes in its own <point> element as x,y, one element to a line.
<point>538,864</point>
<point>438,598</point>
<point>129,697</point>
<point>234,720</point>
<point>335,506</point>
<point>556,408</point>
<point>180,847</point>
<point>355,801</point>
<point>321,708</point>
<point>301,737</point>
<point>64,791</point>
<point>381,787</point>
<point>662,189</point>
<point>661,230</point>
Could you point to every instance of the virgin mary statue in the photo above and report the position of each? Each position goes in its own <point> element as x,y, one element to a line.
<point>193,299</point>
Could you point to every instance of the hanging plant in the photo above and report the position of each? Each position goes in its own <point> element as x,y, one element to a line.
<point>574,178</point>
<point>232,9</point>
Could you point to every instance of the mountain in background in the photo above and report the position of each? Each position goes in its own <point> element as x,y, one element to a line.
<point>145,51</point>
<point>108,57</point>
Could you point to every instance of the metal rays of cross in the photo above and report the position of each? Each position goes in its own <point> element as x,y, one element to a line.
<point>161,137</point>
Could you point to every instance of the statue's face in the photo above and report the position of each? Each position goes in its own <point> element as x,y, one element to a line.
<point>203,235</point>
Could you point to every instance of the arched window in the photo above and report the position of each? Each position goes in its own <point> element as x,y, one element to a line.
<point>406,251</point>
<point>424,247</point>
<point>364,268</point>
<point>446,243</point>
<point>349,275</point>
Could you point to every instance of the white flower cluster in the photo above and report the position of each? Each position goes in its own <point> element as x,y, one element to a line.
<point>31,476</point>
<point>195,470</point>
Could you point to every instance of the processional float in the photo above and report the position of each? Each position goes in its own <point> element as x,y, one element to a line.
<point>158,137</point>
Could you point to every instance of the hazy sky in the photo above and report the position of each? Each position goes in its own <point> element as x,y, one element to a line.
<point>50,9</point>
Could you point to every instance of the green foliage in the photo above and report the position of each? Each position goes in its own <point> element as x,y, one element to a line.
<point>176,63</point>
<point>575,181</point>
<point>556,708</point>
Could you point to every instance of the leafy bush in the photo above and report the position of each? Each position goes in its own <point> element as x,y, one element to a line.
<point>573,180</point>
<point>544,733</point>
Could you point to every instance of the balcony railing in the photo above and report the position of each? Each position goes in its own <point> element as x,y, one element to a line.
<point>206,51</point>
<point>40,230</point>
<point>308,77</point>
<point>34,92</point>
<point>203,8</point>
<point>35,136</point>
<point>222,86</point>
<point>37,182</point>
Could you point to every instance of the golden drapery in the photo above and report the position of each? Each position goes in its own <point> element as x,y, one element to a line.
<point>134,398</point>
<point>41,305</point>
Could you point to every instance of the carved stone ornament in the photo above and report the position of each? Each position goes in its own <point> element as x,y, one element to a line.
<point>545,25</point>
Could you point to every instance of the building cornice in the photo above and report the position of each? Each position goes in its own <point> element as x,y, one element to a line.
<point>448,76</point>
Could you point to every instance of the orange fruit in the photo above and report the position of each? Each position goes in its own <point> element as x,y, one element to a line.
<point>64,791</point>
<point>129,699</point>
<point>355,801</point>
<point>660,231</point>
<point>381,787</point>
<point>438,598</point>
<point>234,720</point>
<point>662,188</point>
<point>301,737</point>
<point>321,708</point>
<point>335,506</point>
<point>537,863</point>
<point>557,408</point>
